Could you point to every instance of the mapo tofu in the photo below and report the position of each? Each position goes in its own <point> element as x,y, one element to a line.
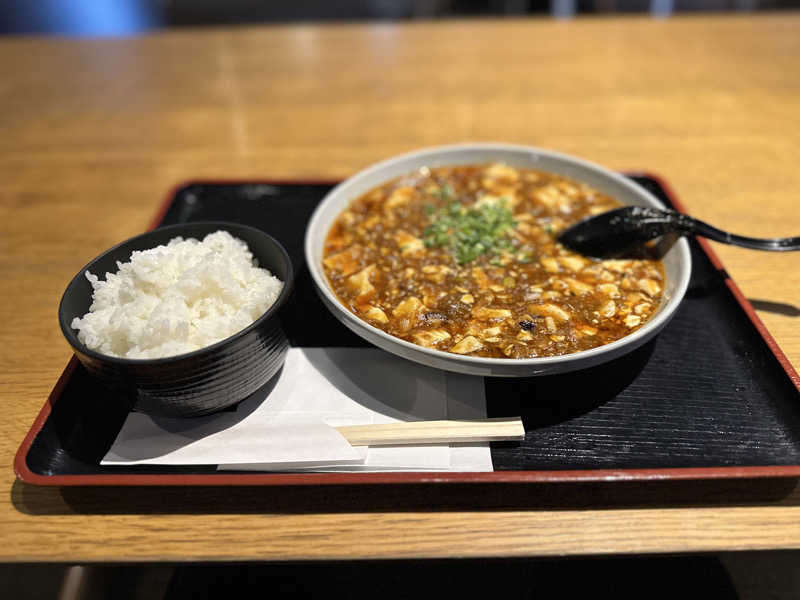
<point>465,260</point>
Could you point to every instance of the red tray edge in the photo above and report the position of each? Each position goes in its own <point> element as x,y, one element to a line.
<point>24,474</point>
<point>734,288</point>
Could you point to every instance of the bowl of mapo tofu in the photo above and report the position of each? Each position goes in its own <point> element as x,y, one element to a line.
<point>449,257</point>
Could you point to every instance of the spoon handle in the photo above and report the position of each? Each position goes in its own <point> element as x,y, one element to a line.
<point>690,225</point>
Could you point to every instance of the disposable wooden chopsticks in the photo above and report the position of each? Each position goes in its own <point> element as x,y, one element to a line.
<point>435,432</point>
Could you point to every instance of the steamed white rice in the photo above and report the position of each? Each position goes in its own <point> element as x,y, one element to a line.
<point>177,298</point>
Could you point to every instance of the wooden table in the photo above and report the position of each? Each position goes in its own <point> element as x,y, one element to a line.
<point>96,131</point>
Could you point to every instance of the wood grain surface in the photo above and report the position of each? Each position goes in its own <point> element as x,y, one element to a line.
<point>96,131</point>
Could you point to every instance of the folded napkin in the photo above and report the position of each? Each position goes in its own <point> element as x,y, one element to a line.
<point>291,425</point>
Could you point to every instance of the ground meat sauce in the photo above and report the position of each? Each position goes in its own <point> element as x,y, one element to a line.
<point>464,259</point>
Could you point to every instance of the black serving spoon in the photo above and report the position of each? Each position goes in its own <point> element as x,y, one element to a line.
<point>622,230</point>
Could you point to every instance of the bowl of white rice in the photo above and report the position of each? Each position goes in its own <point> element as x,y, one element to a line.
<point>182,320</point>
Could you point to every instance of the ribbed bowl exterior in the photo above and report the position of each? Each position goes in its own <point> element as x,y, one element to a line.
<point>200,382</point>
<point>200,385</point>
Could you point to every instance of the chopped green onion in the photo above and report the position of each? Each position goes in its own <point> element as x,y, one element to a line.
<point>469,232</point>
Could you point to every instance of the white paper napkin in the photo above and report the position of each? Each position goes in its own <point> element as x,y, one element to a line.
<point>287,428</point>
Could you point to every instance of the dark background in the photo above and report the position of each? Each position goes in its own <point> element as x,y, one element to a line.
<point>130,17</point>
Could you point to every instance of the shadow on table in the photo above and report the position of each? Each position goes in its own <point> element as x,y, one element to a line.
<point>545,401</point>
<point>781,308</point>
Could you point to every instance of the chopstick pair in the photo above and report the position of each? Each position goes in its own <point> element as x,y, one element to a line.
<point>435,432</point>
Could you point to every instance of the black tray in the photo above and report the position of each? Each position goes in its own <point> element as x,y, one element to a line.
<point>711,396</point>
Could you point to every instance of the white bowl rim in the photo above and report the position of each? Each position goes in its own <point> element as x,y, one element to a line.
<point>633,340</point>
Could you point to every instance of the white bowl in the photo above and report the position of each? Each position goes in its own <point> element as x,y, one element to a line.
<point>677,262</point>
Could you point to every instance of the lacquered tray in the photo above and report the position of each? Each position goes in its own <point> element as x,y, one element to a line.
<point>712,397</point>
